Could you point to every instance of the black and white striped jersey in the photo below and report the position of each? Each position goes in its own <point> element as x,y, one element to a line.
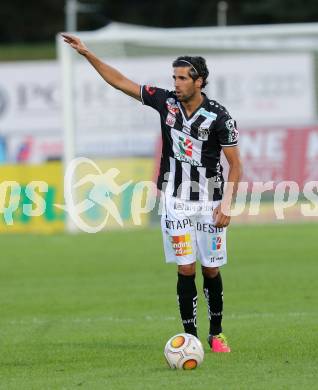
<point>190,166</point>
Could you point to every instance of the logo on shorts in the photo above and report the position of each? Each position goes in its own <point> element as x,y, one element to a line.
<point>185,146</point>
<point>182,244</point>
<point>216,243</point>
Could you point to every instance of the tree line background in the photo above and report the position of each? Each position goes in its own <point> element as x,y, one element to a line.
<point>35,21</point>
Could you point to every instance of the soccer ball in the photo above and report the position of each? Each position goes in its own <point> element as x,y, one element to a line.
<point>184,351</point>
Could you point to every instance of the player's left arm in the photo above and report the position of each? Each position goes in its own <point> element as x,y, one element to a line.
<point>221,214</point>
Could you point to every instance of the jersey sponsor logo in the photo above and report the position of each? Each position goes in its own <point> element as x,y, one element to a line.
<point>203,133</point>
<point>186,129</point>
<point>216,243</point>
<point>172,106</point>
<point>185,146</point>
<point>170,120</point>
<point>182,244</point>
<point>186,159</point>
<point>150,90</point>
<point>233,133</point>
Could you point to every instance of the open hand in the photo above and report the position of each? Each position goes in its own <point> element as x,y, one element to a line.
<point>75,42</point>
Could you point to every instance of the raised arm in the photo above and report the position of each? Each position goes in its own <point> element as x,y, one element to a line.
<point>111,75</point>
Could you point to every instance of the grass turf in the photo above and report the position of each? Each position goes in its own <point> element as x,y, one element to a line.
<point>94,312</point>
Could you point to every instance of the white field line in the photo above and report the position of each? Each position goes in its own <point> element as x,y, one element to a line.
<point>234,316</point>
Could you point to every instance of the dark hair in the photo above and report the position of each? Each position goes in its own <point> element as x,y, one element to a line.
<point>197,66</point>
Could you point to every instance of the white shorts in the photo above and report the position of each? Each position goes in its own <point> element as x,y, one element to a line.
<point>189,233</point>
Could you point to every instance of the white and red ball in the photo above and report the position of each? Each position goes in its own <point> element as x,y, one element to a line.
<point>184,351</point>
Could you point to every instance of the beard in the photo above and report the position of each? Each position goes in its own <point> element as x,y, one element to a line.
<point>185,98</point>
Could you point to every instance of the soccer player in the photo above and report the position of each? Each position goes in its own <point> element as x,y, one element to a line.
<point>195,129</point>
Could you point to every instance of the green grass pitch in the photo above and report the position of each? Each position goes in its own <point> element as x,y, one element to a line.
<point>95,311</point>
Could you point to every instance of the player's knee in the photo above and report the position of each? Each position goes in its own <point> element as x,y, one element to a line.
<point>186,270</point>
<point>209,272</point>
